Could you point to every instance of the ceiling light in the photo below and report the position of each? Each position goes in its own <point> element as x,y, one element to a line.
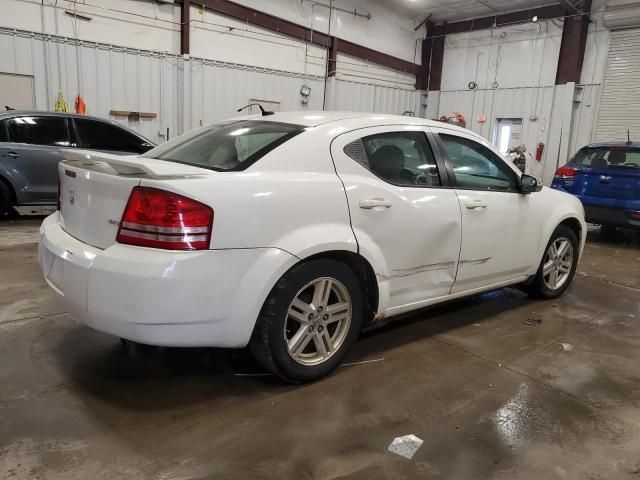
<point>535,18</point>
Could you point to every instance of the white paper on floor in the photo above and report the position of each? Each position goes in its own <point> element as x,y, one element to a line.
<point>567,347</point>
<point>406,446</point>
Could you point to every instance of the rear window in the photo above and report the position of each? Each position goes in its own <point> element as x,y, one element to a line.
<point>226,146</point>
<point>607,157</point>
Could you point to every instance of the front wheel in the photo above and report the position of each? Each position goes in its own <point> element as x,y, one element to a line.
<point>558,265</point>
<point>309,321</point>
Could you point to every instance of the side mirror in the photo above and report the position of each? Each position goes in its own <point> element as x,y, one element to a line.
<point>529,184</point>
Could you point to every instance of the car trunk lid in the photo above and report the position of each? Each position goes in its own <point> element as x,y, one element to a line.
<point>95,188</point>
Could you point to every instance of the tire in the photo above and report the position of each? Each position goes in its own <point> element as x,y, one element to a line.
<point>565,268</point>
<point>6,200</point>
<point>304,328</point>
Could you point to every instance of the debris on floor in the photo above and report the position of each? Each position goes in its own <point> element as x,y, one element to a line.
<point>533,322</point>
<point>567,347</point>
<point>406,446</point>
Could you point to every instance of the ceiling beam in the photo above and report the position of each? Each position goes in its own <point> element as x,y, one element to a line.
<point>522,16</point>
<point>291,29</point>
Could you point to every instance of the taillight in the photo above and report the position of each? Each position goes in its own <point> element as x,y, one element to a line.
<point>566,172</point>
<point>58,200</point>
<point>160,219</point>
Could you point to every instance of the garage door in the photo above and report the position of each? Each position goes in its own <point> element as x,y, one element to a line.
<point>620,104</point>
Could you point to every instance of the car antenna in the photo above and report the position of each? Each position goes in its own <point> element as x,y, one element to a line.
<point>629,142</point>
<point>264,112</point>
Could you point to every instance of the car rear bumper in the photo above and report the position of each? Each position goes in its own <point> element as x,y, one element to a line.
<point>158,297</point>
<point>611,216</point>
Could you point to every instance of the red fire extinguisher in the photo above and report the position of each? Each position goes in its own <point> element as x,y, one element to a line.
<point>539,150</point>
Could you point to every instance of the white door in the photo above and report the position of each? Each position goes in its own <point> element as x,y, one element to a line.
<point>404,222</point>
<point>499,242</point>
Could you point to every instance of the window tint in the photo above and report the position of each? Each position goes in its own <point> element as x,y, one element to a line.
<point>401,158</point>
<point>476,167</point>
<point>39,130</point>
<point>3,131</point>
<point>226,146</point>
<point>607,157</point>
<point>104,136</point>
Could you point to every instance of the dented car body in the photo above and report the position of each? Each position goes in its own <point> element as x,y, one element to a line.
<point>422,212</point>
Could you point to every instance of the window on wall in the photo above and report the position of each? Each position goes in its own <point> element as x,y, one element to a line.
<point>400,158</point>
<point>476,167</point>
<point>507,133</point>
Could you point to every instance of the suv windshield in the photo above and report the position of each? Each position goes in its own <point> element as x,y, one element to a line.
<point>607,157</point>
<point>226,146</point>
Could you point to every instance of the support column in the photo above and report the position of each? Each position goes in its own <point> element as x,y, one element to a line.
<point>437,57</point>
<point>185,26</point>
<point>332,57</point>
<point>572,47</point>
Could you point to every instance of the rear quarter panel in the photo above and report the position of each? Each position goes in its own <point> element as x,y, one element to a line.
<point>290,199</point>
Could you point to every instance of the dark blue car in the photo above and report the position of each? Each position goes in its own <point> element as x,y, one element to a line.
<point>606,178</point>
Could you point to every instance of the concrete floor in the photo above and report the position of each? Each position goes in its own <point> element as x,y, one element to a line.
<point>491,395</point>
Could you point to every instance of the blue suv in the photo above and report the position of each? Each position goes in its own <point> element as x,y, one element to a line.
<point>606,179</point>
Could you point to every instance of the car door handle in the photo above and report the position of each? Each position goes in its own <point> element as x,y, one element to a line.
<point>374,202</point>
<point>11,155</point>
<point>473,204</point>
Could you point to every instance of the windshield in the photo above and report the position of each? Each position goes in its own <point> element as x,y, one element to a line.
<point>607,157</point>
<point>226,146</point>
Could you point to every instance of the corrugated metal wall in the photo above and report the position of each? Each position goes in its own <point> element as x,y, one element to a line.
<point>183,93</point>
<point>547,103</point>
<point>363,97</point>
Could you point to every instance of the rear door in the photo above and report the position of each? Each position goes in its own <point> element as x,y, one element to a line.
<point>105,137</point>
<point>32,153</point>
<point>401,213</point>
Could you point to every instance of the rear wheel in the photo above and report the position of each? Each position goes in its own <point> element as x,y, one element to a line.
<point>558,265</point>
<point>309,321</point>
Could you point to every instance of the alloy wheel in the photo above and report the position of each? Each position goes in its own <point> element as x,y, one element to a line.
<point>558,262</point>
<point>318,321</point>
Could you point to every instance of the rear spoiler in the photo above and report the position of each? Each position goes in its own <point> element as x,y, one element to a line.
<point>131,164</point>
<point>124,165</point>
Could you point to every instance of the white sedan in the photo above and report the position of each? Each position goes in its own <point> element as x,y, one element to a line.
<point>291,232</point>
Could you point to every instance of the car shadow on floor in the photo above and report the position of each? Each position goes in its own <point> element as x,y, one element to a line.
<point>137,377</point>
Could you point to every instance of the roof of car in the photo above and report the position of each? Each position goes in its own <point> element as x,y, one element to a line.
<point>313,119</point>
<point>615,144</point>
<point>11,113</point>
<point>40,113</point>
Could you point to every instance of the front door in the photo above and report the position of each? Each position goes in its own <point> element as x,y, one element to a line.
<point>405,222</point>
<point>499,240</point>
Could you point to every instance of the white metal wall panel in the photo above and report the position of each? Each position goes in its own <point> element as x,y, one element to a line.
<point>217,91</point>
<point>518,103</point>
<point>620,101</point>
<point>364,97</point>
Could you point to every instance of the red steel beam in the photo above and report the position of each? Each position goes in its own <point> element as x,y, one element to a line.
<point>573,45</point>
<point>185,26</point>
